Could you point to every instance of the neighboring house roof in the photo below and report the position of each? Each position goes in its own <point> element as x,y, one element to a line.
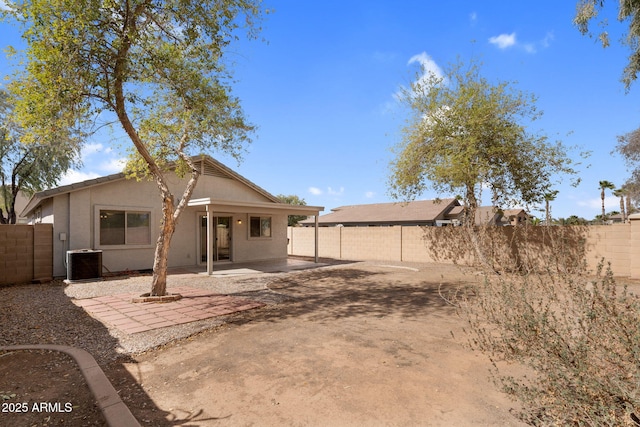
<point>514,212</point>
<point>423,212</point>
<point>208,165</point>
<point>515,216</point>
<point>416,212</point>
<point>484,214</point>
<point>487,215</point>
<point>615,218</point>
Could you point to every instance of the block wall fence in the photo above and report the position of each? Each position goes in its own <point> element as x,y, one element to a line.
<point>618,243</point>
<point>26,253</point>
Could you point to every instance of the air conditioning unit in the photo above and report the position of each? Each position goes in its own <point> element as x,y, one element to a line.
<point>84,264</point>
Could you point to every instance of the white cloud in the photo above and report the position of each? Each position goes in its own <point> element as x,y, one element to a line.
<point>473,17</point>
<point>548,38</point>
<point>369,194</point>
<point>315,191</point>
<point>73,176</point>
<point>610,203</point>
<point>504,41</point>
<point>430,69</point>
<point>89,149</point>
<point>428,65</point>
<point>112,166</point>
<point>333,192</point>
<point>330,191</point>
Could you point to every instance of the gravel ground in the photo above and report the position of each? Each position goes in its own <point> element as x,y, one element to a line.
<point>45,313</point>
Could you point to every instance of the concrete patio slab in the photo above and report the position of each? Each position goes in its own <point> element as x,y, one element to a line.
<point>255,267</point>
<point>196,304</point>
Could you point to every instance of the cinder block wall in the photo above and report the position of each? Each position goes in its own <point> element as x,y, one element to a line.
<point>26,253</point>
<point>618,244</point>
<point>613,243</point>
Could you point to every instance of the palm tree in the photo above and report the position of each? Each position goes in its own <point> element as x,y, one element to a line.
<point>631,192</point>
<point>604,185</point>
<point>548,197</point>
<point>620,193</point>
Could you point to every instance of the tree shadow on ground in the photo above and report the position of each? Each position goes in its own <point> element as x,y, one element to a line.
<point>43,314</point>
<point>354,291</point>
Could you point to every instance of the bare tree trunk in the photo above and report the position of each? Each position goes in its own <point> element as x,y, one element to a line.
<point>548,213</point>
<point>475,231</point>
<point>159,279</point>
<point>622,212</point>
<point>602,197</point>
<point>170,215</point>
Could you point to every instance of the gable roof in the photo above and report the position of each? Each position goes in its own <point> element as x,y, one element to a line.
<point>208,166</point>
<point>513,212</point>
<point>422,211</point>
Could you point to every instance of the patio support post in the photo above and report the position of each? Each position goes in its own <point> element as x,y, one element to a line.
<point>209,242</point>
<point>316,237</point>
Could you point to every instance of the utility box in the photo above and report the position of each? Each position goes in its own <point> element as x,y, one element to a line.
<point>84,264</point>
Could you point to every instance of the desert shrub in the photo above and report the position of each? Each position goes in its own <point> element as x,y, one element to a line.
<point>577,333</point>
<point>522,249</point>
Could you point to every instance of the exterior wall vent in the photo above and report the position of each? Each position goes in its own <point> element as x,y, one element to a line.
<point>84,264</point>
<point>210,170</point>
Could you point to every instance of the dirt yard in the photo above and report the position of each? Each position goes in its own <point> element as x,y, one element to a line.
<point>357,345</point>
<point>352,345</point>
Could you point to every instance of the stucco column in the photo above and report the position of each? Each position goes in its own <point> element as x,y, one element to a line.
<point>634,247</point>
<point>209,242</point>
<point>316,238</point>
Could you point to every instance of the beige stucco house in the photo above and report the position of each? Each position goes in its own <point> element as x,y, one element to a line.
<point>228,219</point>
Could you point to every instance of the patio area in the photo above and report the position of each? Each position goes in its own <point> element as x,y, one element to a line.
<point>196,304</point>
<point>223,269</point>
<point>203,296</point>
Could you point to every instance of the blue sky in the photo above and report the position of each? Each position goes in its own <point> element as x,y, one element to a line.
<point>321,90</point>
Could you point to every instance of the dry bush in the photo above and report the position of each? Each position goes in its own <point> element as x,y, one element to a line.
<point>578,334</point>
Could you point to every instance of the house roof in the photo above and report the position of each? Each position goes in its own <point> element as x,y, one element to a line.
<point>513,212</point>
<point>416,212</point>
<point>421,211</point>
<point>208,165</point>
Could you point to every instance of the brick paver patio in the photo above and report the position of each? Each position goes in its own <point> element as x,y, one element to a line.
<point>196,304</point>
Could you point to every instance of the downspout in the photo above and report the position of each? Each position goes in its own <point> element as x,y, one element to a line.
<point>66,243</point>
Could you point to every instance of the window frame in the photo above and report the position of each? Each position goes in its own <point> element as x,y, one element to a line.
<point>260,218</point>
<point>126,210</point>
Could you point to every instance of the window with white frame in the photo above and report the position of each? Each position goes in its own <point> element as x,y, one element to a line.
<point>121,227</point>
<point>260,226</point>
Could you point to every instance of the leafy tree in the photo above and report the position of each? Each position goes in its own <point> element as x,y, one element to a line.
<point>575,220</point>
<point>605,185</point>
<point>465,133</point>
<point>293,200</point>
<point>628,12</point>
<point>535,221</point>
<point>629,147</point>
<point>632,193</point>
<point>156,68</point>
<point>30,168</point>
